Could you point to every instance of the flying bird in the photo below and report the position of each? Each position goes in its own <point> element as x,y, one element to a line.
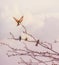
<point>18,21</point>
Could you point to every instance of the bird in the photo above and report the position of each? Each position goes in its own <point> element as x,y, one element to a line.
<point>18,21</point>
<point>37,43</point>
<point>26,39</point>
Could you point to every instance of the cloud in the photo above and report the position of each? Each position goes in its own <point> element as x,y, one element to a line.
<point>34,13</point>
<point>50,31</point>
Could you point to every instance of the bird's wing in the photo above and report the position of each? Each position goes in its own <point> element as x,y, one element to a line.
<point>15,19</point>
<point>21,19</point>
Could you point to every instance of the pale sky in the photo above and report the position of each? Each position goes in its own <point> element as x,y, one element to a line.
<point>41,18</point>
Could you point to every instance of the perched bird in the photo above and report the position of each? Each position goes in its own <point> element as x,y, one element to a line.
<point>18,21</point>
<point>20,38</point>
<point>26,39</point>
<point>37,43</point>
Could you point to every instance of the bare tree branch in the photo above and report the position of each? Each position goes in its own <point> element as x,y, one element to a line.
<point>52,56</point>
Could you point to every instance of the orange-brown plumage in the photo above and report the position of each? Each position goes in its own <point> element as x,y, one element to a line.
<point>18,21</point>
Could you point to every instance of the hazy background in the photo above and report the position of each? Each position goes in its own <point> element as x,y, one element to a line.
<point>41,18</point>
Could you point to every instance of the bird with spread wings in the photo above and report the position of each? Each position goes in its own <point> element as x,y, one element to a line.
<point>18,21</point>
